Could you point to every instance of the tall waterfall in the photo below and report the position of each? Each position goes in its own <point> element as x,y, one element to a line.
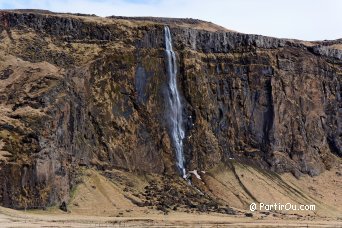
<point>175,106</point>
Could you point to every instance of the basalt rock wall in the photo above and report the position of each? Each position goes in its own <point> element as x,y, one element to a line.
<point>82,91</point>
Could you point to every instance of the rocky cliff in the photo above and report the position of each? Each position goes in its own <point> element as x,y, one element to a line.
<point>84,91</point>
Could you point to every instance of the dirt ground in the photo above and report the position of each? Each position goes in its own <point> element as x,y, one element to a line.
<point>114,200</point>
<point>11,218</point>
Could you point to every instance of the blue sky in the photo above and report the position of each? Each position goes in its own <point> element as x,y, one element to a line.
<point>300,19</point>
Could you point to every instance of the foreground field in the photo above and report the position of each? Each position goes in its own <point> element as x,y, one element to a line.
<point>11,218</point>
<point>117,198</point>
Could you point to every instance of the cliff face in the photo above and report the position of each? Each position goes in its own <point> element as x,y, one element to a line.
<point>87,91</point>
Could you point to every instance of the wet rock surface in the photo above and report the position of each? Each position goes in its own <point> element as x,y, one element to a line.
<point>83,91</point>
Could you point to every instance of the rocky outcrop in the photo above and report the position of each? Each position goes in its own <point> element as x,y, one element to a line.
<point>327,51</point>
<point>80,90</point>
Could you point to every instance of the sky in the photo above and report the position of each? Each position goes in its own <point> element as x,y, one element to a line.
<point>298,19</point>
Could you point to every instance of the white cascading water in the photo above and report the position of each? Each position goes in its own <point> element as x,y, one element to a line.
<point>175,106</point>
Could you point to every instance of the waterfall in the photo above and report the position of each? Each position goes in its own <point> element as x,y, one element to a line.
<point>175,107</point>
